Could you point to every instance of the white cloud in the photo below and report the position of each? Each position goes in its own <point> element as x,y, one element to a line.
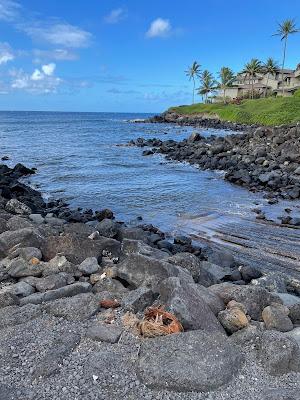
<point>159,28</point>
<point>56,54</point>
<point>115,16</point>
<point>59,34</point>
<point>9,10</point>
<point>36,83</point>
<point>6,53</point>
<point>49,69</point>
<point>37,75</point>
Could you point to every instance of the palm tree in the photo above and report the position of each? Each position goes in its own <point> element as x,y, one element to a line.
<point>285,28</point>
<point>251,70</point>
<point>208,84</point>
<point>270,67</point>
<point>227,78</point>
<point>193,72</point>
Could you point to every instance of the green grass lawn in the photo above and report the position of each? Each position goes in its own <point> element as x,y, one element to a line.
<point>269,111</point>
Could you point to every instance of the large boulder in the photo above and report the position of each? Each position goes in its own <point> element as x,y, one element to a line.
<point>89,266</point>
<point>223,258</point>
<point>272,282</point>
<point>278,353</point>
<point>79,228</point>
<point>139,270</point>
<point>211,274</point>
<point>76,248</point>
<point>51,282</point>
<point>185,362</point>
<point>111,285</point>
<point>132,234</point>
<point>130,246</point>
<point>215,303</point>
<point>233,318</point>
<point>17,222</point>
<point>51,295</point>
<point>20,268</point>
<point>27,253</point>
<point>20,289</point>
<point>104,333</point>
<point>185,302</point>
<point>294,334</point>
<point>251,334</point>
<point>58,264</point>
<point>288,299</point>
<point>137,300</point>
<point>76,308</point>
<point>108,228</point>
<point>294,313</point>
<point>276,316</point>
<point>16,207</point>
<point>187,261</point>
<point>249,272</point>
<point>254,298</point>
<point>26,237</point>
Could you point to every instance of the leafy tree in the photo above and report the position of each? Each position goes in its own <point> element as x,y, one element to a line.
<point>227,78</point>
<point>251,70</point>
<point>208,84</point>
<point>193,72</point>
<point>270,67</point>
<point>285,29</point>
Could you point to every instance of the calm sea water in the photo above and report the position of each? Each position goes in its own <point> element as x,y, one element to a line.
<point>79,158</point>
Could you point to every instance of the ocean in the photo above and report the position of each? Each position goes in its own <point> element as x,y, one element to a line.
<point>83,158</point>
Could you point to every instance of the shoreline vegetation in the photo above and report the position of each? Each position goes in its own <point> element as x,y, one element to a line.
<point>266,111</point>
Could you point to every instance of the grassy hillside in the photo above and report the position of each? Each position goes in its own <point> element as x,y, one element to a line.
<point>269,111</point>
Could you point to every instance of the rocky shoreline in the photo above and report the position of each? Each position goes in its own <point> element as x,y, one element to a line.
<point>196,120</point>
<point>264,159</point>
<point>93,309</point>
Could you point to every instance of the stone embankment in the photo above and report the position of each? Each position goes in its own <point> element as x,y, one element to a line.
<point>75,289</point>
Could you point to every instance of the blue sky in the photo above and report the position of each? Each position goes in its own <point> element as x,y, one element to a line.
<point>130,56</point>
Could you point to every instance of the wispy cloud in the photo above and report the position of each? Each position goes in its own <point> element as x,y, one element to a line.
<point>9,10</point>
<point>6,53</point>
<point>57,33</point>
<point>113,79</point>
<point>50,30</point>
<point>120,91</point>
<point>176,96</point>
<point>56,54</point>
<point>159,28</point>
<point>115,16</point>
<point>157,85</point>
